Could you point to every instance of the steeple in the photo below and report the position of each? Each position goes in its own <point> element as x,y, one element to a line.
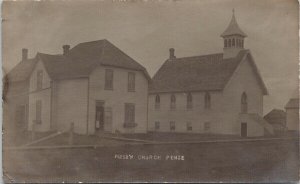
<point>233,38</point>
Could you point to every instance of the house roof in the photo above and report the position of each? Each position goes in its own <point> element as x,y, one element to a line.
<point>83,58</point>
<point>21,71</point>
<point>275,116</point>
<point>233,28</point>
<point>293,103</point>
<point>197,73</point>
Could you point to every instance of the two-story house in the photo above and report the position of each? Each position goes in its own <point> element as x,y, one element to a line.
<point>217,93</point>
<point>94,86</point>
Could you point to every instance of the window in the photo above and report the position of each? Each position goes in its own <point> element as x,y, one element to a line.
<point>207,101</point>
<point>131,81</point>
<point>244,103</point>
<point>172,125</point>
<point>233,42</point>
<point>20,114</point>
<point>129,115</point>
<point>242,44</point>
<point>229,42</point>
<point>207,127</point>
<point>225,42</point>
<point>173,102</point>
<point>109,76</point>
<point>189,126</point>
<point>38,112</point>
<point>189,101</point>
<point>157,101</point>
<point>157,125</point>
<point>239,43</point>
<point>39,79</point>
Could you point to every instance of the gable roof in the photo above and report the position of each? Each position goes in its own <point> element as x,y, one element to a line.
<point>293,103</point>
<point>275,116</point>
<point>21,71</point>
<point>197,73</point>
<point>233,29</point>
<point>82,59</point>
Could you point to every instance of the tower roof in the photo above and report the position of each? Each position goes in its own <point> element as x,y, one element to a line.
<point>233,28</point>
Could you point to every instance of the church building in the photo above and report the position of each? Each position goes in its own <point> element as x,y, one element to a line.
<point>218,93</point>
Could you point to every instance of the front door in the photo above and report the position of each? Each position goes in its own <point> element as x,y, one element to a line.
<point>244,129</point>
<point>99,120</point>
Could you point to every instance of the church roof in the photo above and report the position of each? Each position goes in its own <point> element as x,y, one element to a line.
<point>81,60</point>
<point>198,73</point>
<point>293,103</point>
<point>233,28</point>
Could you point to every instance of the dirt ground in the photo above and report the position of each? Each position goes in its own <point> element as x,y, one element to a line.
<point>261,161</point>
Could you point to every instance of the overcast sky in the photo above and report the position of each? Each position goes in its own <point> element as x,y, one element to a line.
<point>146,30</point>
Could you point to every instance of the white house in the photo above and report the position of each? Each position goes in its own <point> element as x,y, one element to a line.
<point>217,93</point>
<point>94,86</point>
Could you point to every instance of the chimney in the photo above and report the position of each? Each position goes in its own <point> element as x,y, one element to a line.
<point>172,53</point>
<point>66,49</point>
<point>24,54</point>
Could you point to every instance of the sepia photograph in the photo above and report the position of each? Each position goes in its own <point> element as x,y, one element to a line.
<point>150,91</point>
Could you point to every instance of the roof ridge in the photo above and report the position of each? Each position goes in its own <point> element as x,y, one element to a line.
<point>186,57</point>
<point>94,41</point>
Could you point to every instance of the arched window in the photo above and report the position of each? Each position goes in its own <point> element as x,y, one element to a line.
<point>225,42</point>
<point>189,101</point>
<point>244,103</point>
<point>233,42</point>
<point>157,102</point>
<point>173,102</point>
<point>207,101</point>
<point>229,42</point>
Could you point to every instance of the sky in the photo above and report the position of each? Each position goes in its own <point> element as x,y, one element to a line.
<point>145,30</point>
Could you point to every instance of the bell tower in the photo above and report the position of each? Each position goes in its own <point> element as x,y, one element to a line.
<point>233,38</point>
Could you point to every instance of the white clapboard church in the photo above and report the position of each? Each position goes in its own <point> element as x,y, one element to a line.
<point>218,93</point>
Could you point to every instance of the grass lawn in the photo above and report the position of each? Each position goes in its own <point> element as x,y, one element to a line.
<point>262,161</point>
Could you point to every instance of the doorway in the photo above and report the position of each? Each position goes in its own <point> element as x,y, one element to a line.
<point>244,129</point>
<point>99,120</point>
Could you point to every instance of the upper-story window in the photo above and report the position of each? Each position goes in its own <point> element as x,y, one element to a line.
<point>109,79</point>
<point>173,102</point>
<point>189,101</point>
<point>229,42</point>
<point>131,81</point>
<point>225,42</point>
<point>244,103</point>
<point>157,101</point>
<point>207,102</point>
<point>38,112</point>
<point>233,42</point>
<point>39,79</point>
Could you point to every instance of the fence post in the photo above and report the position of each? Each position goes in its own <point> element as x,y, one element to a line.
<point>33,131</point>
<point>71,134</point>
